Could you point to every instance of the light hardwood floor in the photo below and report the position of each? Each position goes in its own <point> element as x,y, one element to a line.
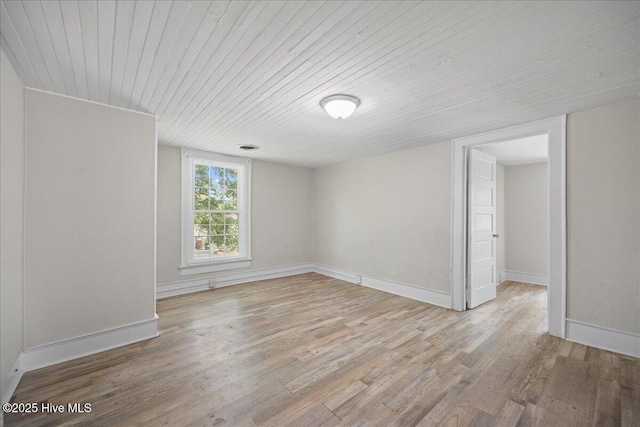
<point>310,350</point>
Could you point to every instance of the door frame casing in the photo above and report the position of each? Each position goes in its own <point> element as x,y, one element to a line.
<point>555,129</point>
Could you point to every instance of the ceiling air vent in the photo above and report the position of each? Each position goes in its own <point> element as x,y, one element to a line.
<point>248,147</point>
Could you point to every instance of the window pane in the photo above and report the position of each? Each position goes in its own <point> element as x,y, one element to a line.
<point>200,232</point>
<point>231,200</point>
<point>217,218</point>
<point>217,176</point>
<point>201,223</point>
<point>216,199</point>
<point>231,222</point>
<point>217,245</point>
<point>201,247</point>
<point>231,219</point>
<point>231,229</point>
<point>231,177</point>
<point>217,229</point>
<point>201,176</point>
<point>231,243</point>
<point>201,199</point>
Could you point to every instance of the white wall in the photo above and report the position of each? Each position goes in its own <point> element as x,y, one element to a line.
<point>90,208</point>
<point>526,198</point>
<point>603,209</point>
<point>11,215</point>
<point>387,216</point>
<point>500,250</point>
<point>281,216</point>
<point>168,216</point>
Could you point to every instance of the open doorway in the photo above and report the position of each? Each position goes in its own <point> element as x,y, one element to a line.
<point>513,199</point>
<point>507,215</point>
<point>554,129</point>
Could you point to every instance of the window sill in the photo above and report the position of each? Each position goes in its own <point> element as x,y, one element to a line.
<point>208,267</point>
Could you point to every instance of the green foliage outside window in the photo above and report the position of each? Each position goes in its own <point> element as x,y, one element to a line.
<point>216,215</point>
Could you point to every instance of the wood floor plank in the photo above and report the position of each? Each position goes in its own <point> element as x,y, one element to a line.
<point>509,414</point>
<point>342,394</point>
<point>310,350</point>
<point>318,414</point>
<point>630,391</point>
<point>462,415</point>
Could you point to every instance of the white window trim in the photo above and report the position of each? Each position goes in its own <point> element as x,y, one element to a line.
<point>243,259</point>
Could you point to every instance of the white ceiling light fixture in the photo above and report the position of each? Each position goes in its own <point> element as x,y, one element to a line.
<point>340,106</point>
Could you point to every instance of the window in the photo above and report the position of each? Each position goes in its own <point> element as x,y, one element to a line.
<point>215,212</point>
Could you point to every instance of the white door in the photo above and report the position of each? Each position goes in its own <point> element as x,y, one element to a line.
<point>481,255</point>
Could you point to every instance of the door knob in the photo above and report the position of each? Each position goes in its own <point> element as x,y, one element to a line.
<point>496,235</point>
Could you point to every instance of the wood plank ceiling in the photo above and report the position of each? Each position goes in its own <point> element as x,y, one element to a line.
<point>532,149</point>
<point>218,74</point>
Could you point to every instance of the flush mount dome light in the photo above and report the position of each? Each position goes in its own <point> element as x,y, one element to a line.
<point>248,147</point>
<point>340,106</point>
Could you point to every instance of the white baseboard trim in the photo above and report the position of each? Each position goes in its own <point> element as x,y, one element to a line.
<point>534,278</point>
<point>604,338</point>
<point>502,276</point>
<point>261,274</point>
<point>62,351</point>
<point>165,290</point>
<point>336,273</point>
<point>219,281</point>
<point>11,380</point>
<point>396,288</point>
<point>408,291</point>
